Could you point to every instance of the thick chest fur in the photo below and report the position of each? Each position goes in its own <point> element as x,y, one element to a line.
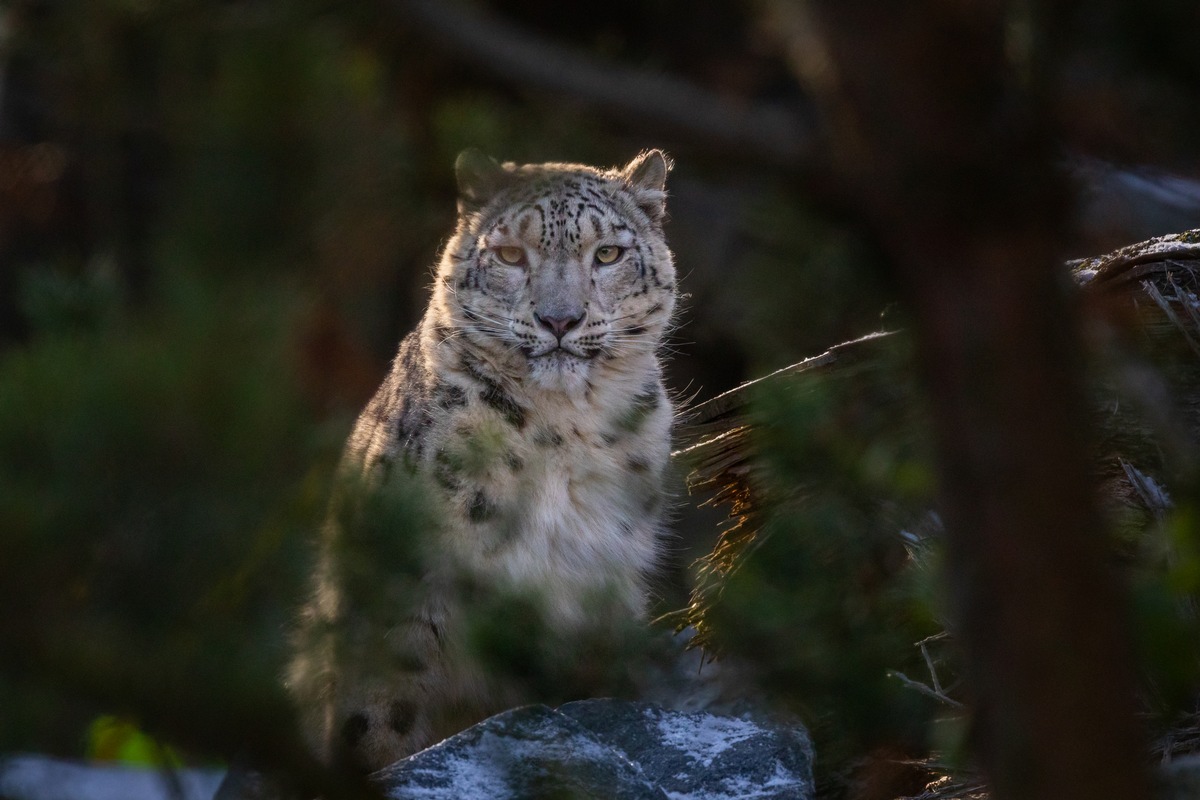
<point>562,498</point>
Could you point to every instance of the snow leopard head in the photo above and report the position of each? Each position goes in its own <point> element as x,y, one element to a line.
<point>556,270</point>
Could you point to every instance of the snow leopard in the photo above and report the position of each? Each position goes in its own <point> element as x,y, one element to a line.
<point>530,402</point>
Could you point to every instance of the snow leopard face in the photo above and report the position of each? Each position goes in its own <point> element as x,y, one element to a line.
<point>557,269</point>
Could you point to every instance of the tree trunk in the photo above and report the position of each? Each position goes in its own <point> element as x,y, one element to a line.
<point>946,152</point>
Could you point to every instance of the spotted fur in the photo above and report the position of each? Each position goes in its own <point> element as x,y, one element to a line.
<point>531,399</point>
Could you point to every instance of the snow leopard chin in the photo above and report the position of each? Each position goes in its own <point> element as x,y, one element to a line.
<point>560,371</point>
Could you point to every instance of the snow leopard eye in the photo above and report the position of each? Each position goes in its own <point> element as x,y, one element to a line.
<point>609,254</point>
<point>513,256</point>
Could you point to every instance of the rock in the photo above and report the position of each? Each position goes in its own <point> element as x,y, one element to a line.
<point>531,751</point>
<point>703,756</point>
<point>1178,779</point>
<point>603,749</point>
<point>33,777</point>
<point>610,749</point>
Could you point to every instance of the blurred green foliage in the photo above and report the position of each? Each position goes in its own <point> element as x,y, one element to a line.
<point>159,469</point>
<point>118,740</point>
<point>835,592</point>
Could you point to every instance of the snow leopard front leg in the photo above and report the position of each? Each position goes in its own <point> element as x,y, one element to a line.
<point>379,715</point>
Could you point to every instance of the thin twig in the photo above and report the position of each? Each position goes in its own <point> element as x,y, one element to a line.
<point>1186,299</point>
<point>1165,305</point>
<point>933,676</point>
<point>1153,496</point>
<point>925,690</point>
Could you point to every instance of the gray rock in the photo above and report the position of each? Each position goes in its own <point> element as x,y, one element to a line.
<point>33,777</point>
<point>1178,779</point>
<point>526,752</point>
<point>610,749</point>
<point>703,756</point>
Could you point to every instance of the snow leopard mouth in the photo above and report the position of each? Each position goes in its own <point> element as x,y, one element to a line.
<point>558,355</point>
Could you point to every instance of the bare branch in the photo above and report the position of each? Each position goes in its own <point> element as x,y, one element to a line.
<point>925,690</point>
<point>933,676</point>
<point>1152,495</point>
<point>775,134</point>
<point>1169,313</point>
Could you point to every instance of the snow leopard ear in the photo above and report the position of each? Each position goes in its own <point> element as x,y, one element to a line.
<point>646,177</point>
<point>479,178</point>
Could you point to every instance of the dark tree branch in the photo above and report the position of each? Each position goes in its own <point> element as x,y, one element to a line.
<point>671,105</point>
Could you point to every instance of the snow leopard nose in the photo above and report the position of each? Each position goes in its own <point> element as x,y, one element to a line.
<point>559,325</point>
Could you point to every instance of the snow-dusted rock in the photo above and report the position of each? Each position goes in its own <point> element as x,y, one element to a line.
<point>703,756</point>
<point>610,749</point>
<point>525,752</point>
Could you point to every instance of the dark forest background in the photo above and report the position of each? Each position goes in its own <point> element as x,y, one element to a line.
<point>217,219</point>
